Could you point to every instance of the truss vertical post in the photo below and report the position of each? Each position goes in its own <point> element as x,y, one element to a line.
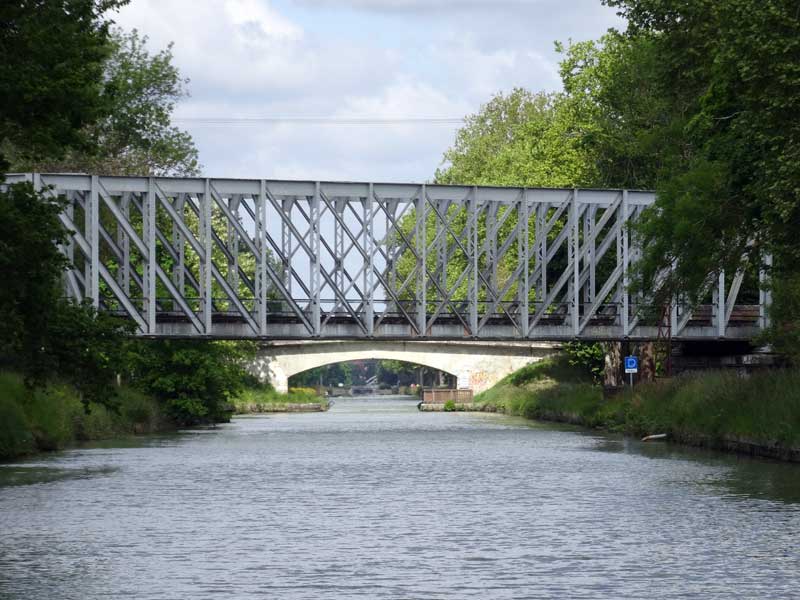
<point>673,315</point>
<point>474,248</point>
<point>232,241</point>
<point>490,253</point>
<point>316,284</point>
<point>589,238</point>
<point>124,243</point>
<point>150,240</point>
<point>764,293</point>
<point>261,275</point>
<point>541,248</point>
<point>391,255</point>
<point>177,242</point>
<point>338,245</point>
<point>719,305</point>
<point>625,266</point>
<point>82,201</point>
<point>576,272</point>
<point>93,235</point>
<point>286,243</point>
<point>369,275</point>
<point>69,247</point>
<point>207,258</point>
<point>441,250</point>
<point>421,238</point>
<point>523,252</point>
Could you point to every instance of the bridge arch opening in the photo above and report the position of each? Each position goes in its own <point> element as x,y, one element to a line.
<point>373,375</point>
<point>475,365</point>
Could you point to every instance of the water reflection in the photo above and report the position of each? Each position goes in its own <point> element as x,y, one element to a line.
<point>15,475</point>
<point>735,475</point>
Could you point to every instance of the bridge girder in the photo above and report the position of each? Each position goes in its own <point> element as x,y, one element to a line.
<point>266,259</point>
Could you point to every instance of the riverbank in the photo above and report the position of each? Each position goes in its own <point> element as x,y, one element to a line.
<point>265,399</point>
<point>758,415</point>
<point>53,418</point>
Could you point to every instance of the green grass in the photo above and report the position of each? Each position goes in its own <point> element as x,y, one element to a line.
<point>54,417</point>
<point>257,399</point>
<point>709,408</point>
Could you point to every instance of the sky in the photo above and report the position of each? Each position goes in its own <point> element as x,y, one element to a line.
<point>312,64</point>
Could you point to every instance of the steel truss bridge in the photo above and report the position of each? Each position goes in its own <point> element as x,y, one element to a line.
<point>265,259</point>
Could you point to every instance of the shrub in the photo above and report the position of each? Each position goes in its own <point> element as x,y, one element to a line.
<point>194,379</point>
<point>15,434</point>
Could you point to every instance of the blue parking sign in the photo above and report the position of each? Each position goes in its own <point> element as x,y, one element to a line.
<point>631,364</point>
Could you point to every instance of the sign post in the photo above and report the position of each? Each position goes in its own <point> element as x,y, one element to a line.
<point>631,367</point>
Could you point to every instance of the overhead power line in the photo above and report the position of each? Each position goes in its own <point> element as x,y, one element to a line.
<point>246,121</point>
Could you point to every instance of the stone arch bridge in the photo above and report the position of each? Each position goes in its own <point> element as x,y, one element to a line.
<point>476,365</point>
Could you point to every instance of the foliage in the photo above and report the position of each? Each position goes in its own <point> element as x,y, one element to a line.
<point>332,374</point>
<point>134,136</point>
<point>519,139</point>
<point>84,349</point>
<point>397,372</point>
<point>45,336</point>
<point>784,333</point>
<point>262,398</point>
<point>194,379</point>
<point>52,417</point>
<point>588,357</point>
<point>711,408</point>
<point>31,267</point>
<point>696,100</point>
<point>619,116</point>
<point>449,406</point>
<point>706,94</point>
<point>557,368</point>
<point>51,75</point>
<point>516,139</point>
<point>15,435</point>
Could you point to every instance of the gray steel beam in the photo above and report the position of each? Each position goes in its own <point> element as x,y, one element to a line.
<point>379,255</point>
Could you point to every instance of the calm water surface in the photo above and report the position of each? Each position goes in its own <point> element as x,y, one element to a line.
<point>377,500</point>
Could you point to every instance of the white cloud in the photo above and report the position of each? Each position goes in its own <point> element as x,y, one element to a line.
<point>252,58</point>
<point>423,5</point>
<point>260,15</point>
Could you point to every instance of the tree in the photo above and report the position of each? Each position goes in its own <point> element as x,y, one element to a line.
<point>134,135</point>
<point>725,83</point>
<point>194,379</point>
<point>43,335</point>
<point>31,266</point>
<point>622,123</point>
<point>397,372</point>
<point>516,139</point>
<point>51,75</point>
<point>519,139</point>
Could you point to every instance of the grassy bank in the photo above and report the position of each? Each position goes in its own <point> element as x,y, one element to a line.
<point>759,414</point>
<point>53,418</point>
<point>266,399</point>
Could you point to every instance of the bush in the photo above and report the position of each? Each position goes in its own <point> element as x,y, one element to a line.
<point>195,380</point>
<point>15,435</point>
<point>709,407</point>
<point>450,406</point>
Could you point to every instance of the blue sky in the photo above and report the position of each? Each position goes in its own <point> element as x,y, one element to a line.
<point>352,58</point>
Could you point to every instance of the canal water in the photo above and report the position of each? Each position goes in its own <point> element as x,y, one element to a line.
<point>377,500</point>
